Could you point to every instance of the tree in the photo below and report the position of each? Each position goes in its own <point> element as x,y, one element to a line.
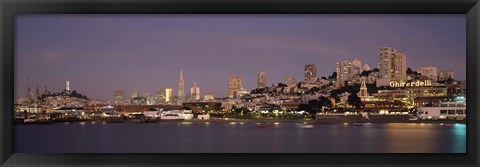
<point>409,70</point>
<point>375,70</point>
<point>324,78</point>
<point>282,85</point>
<point>333,76</point>
<point>354,100</point>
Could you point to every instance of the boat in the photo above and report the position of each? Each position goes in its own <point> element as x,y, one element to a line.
<point>308,126</point>
<point>176,115</point>
<point>264,126</point>
<point>39,120</point>
<point>447,125</point>
<point>452,110</point>
<point>358,124</point>
<point>150,120</point>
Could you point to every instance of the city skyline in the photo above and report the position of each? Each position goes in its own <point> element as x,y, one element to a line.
<point>144,68</point>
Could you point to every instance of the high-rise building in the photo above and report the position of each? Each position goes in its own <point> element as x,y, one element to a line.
<point>181,89</point>
<point>159,96</point>
<point>134,94</point>
<point>261,80</point>
<point>67,86</point>
<point>209,96</point>
<point>445,74</point>
<point>150,98</point>
<point>195,92</point>
<point>356,67</point>
<point>392,65</point>
<point>168,95</point>
<point>430,72</point>
<point>344,70</point>
<point>310,72</point>
<point>119,95</point>
<point>234,84</point>
<point>290,81</point>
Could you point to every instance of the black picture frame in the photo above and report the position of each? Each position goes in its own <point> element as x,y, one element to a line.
<point>10,8</point>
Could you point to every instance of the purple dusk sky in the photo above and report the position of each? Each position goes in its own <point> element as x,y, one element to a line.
<point>101,53</point>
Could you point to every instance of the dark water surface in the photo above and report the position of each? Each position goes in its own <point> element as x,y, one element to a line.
<point>200,137</point>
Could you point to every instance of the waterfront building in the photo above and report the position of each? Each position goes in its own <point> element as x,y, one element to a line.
<point>310,72</point>
<point>392,64</point>
<point>181,89</point>
<point>343,71</point>
<point>445,74</point>
<point>119,95</point>
<point>445,110</point>
<point>234,84</point>
<point>261,80</point>
<point>195,92</point>
<point>139,109</point>
<point>209,97</point>
<point>430,72</point>
<point>168,95</point>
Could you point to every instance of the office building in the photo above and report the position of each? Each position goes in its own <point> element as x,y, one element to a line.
<point>344,70</point>
<point>392,64</point>
<point>181,89</point>
<point>195,92</point>
<point>119,95</point>
<point>234,84</point>
<point>209,96</point>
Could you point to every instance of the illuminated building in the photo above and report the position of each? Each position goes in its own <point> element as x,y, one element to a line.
<point>261,80</point>
<point>168,95</point>
<point>195,92</point>
<point>392,65</point>
<point>445,74</point>
<point>234,84</point>
<point>310,72</point>
<point>67,86</point>
<point>119,95</point>
<point>160,96</point>
<point>430,72</point>
<point>134,94</point>
<point>209,96</point>
<point>363,90</point>
<point>181,89</point>
<point>290,81</point>
<point>343,71</point>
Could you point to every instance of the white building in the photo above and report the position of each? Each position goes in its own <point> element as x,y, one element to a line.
<point>392,65</point>
<point>446,110</point>
<point>343,71</point>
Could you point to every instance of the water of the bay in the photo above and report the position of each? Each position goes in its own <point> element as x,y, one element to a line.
<point>221,137</point>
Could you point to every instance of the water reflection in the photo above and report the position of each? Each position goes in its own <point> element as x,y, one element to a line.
<point>232,137</point>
